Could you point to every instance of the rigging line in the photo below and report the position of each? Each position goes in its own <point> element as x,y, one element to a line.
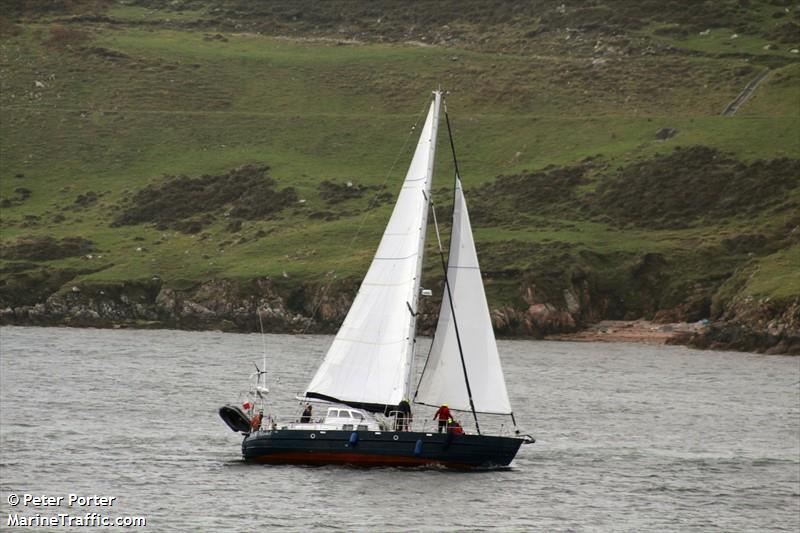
<point>452,147</point>
<point>263,340</point>
<point>264,345</point>
<point>433,337</point>
<point>386,177</point>
<point>332,274</point>
<point>436,227</point>
<point>447,282</point>
<point>458,341</point>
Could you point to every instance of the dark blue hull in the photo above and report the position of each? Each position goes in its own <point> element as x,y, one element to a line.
<point>378,448</point>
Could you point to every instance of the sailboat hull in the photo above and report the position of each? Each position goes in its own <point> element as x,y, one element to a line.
<point>378,448</point>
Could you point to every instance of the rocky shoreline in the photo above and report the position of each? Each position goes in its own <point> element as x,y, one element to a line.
<point>754,325</point>
<point>636,331</point>
<point>243,305</point>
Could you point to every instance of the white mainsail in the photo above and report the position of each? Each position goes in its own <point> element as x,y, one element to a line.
<point>369,362</point>
<point>443,378</point>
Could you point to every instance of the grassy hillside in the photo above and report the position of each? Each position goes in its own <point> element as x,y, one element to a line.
<point>217,140</point>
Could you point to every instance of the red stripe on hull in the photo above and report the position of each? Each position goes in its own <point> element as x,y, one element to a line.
<point>328,458</point>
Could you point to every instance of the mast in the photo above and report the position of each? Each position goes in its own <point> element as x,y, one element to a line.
<point>423,228</point>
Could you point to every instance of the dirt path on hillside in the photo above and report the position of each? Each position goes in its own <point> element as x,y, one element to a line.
<point>746,93</point>
<point>638,331</point>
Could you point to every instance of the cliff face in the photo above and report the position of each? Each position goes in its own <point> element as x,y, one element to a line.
<point>230,305</point>
<point>756,325</point>
<point>235,305</point>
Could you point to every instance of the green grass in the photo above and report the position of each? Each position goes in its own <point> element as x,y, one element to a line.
<point>776,276</point>
<point>132,13</point>
<point>132,105</point>
<point>779,93</point>
<point>726,41</point>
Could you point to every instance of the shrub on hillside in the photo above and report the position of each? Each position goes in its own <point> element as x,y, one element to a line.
<point>787,33</point>
<point>246,192</point>
<point>689,185</point>
<point>532,193</point>
<point>66,37</point>
<point>35,248</point>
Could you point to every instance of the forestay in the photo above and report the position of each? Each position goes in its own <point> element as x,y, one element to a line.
<point>443,378</point>
<point>369,362</point>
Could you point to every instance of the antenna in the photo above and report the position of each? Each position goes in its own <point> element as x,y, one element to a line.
<point>261,376</point>
<point>263,341</point>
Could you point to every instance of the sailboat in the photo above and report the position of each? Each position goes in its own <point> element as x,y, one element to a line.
<point>364,382</point>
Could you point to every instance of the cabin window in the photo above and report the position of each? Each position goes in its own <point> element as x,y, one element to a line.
<point>333,413</point>
<point>345,414</point>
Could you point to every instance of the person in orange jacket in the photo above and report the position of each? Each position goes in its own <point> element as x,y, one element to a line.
<point>442,415</point>
<point>255,423</point>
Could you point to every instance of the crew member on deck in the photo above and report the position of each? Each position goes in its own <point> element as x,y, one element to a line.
<point>455,427</point>
<point>442,415</point>
<point>255,423</point>
<point>305,418</point>
<point>403,415</point>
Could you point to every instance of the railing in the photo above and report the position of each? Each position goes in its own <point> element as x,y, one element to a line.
<point>393,422</point>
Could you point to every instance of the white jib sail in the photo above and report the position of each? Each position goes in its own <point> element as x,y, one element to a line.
<point>370,359</point>
<point>443,378</point>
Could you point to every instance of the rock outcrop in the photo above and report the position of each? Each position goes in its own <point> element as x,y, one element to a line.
<point>283,306</point>
<point>755,325</point>
<point>231,305</point>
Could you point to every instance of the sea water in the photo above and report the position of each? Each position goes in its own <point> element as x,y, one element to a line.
<point>629,438</point>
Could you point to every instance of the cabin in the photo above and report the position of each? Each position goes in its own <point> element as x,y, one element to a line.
<point>341,418</point>
<point>349,419</point>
